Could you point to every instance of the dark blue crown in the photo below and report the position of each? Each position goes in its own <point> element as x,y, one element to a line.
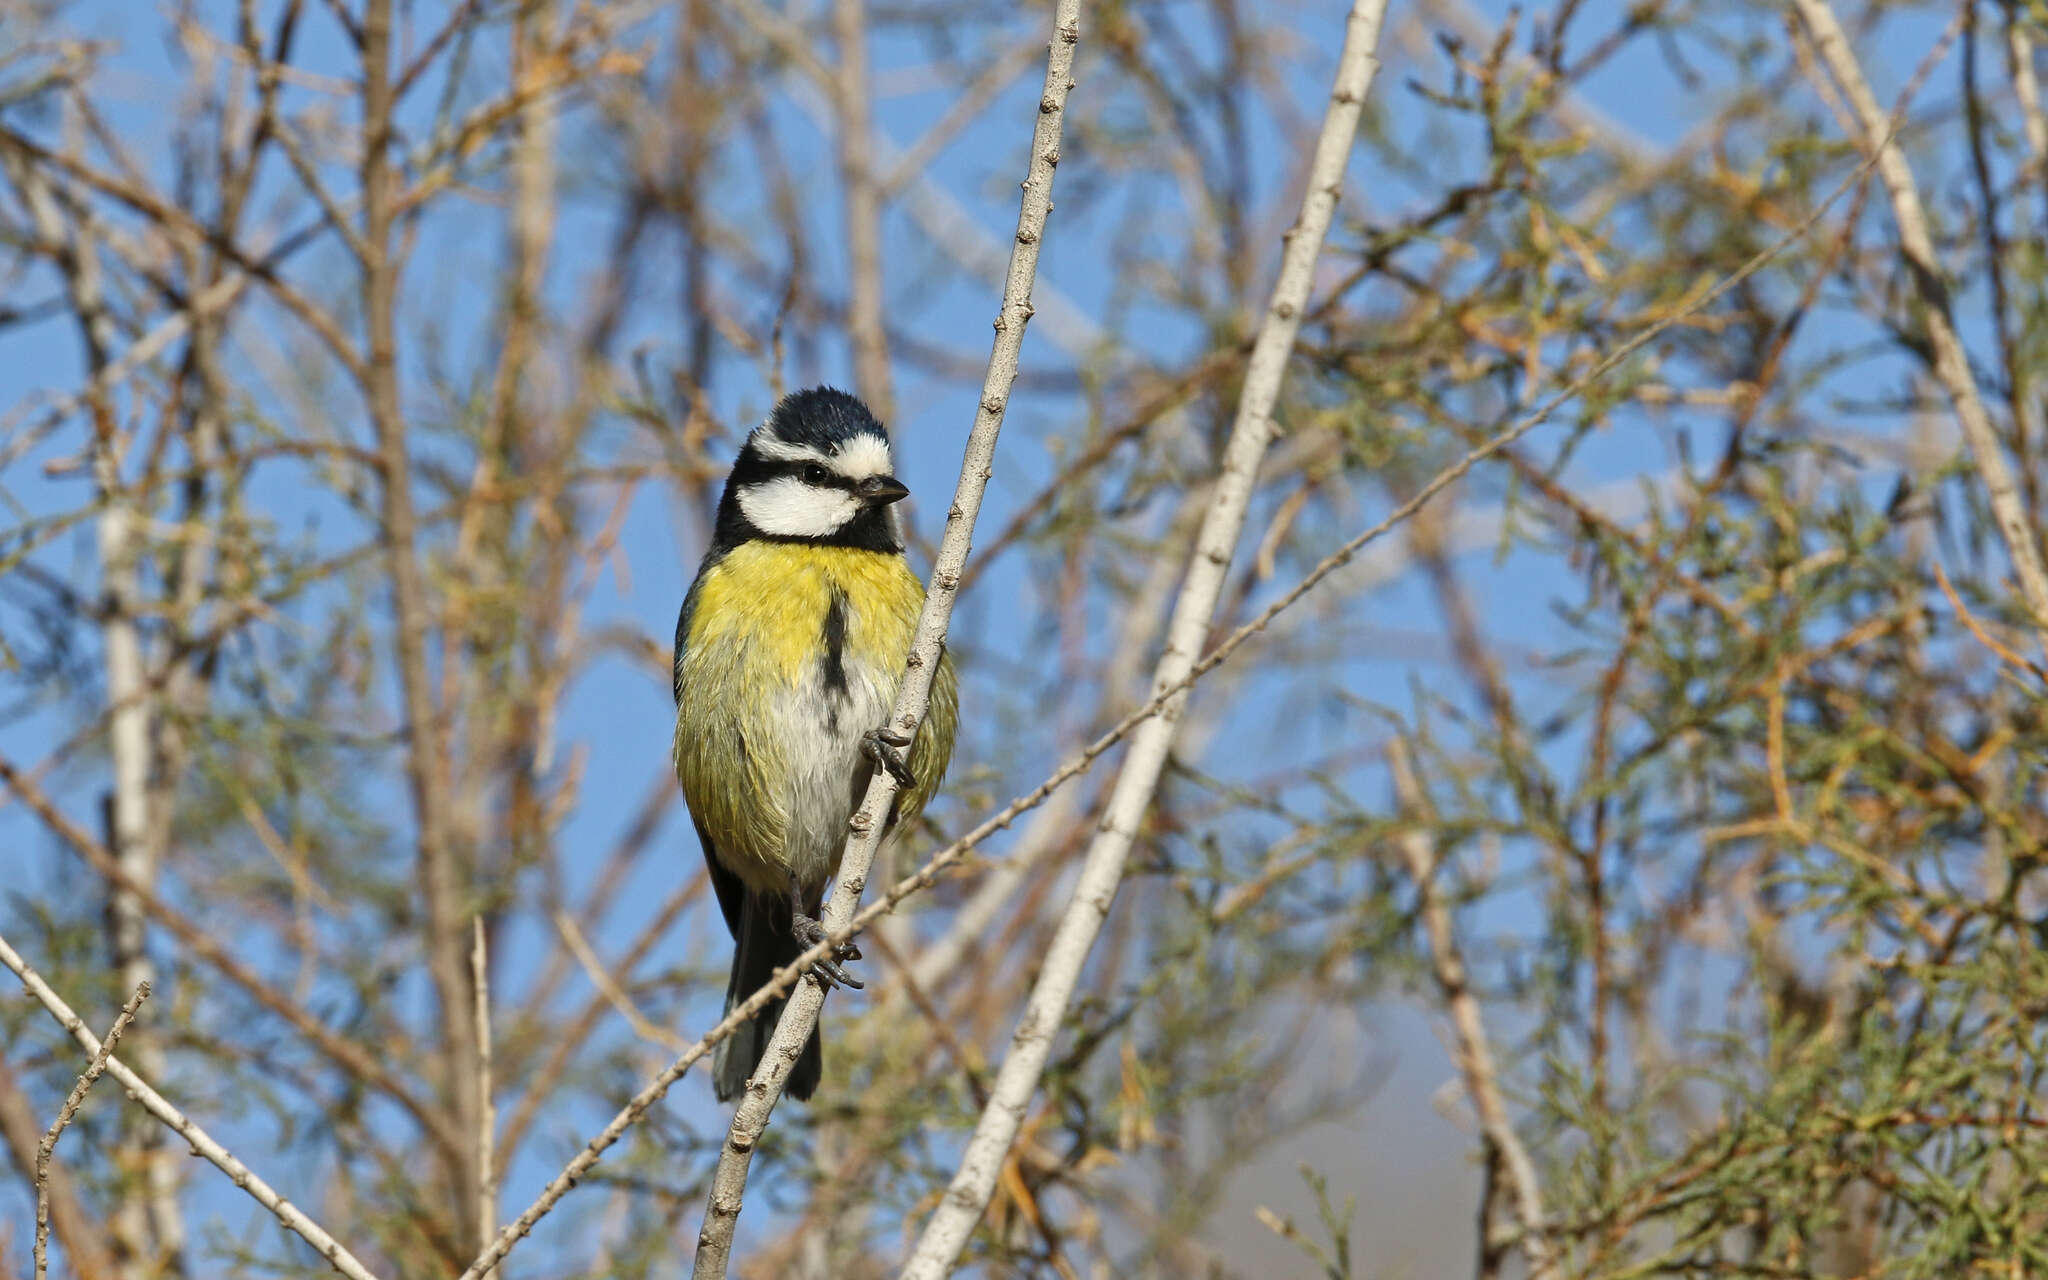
<point>822,417</point>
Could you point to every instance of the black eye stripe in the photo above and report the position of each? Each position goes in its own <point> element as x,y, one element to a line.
<point>753,467</point>
<point>764,470</point>
<point>816,474</point>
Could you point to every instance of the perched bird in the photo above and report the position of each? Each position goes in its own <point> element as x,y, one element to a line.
<point>789,650</point>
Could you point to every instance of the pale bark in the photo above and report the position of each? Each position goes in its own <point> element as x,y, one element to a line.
<point>946,1234</point>
<point>47,1148</point>
<point>288,1214</point>
<point>1878,140</point>
<point>441,882</point>
<point>1474,1051</point>
<point>2026,86</point>
<point>864,316</point>
<point>714,1241</point>
<point>487,1114</point>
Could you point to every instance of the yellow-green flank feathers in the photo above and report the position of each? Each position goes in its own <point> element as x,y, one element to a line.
<point>762,725</point>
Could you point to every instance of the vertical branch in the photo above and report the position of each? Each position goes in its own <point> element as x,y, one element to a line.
<point>857,163</point>
<point>800,1015</point>
<point>2019,393</point>
<point>859,183</point>
<point>1951,364</point>
<point>487,1114</point>
<point>48,1146</point>
<point>1474,1052</point>
<point>79,1232</point>
<point>946,1234</point>
<point>440,881</point>
<point>130,702</point>
<point>2019,51</point>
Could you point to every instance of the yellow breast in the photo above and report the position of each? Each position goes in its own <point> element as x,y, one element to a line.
<point>773,597</point>
<point>767,753</point>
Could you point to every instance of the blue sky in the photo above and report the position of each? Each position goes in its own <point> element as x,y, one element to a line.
<point>621,718</point>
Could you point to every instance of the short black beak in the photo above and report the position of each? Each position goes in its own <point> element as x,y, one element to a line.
<point>880,491</point>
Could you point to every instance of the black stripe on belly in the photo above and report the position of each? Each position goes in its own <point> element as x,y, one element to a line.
<point>834,662</point>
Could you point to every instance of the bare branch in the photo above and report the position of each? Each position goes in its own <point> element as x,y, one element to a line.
<point>48,1146</point>
<point>80,1232</point>
<point>287,1213</point>
<point>857,163</point>
<point>945,1235</point>
<point>441,882</point>
<point>1474,1052</point>
<point>2027,88</point>
<point>1951,364</point>
<point>487,1115</point>
<point>714,1241</point>
<point>614,995</point>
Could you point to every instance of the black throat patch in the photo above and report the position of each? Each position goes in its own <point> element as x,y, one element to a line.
<point>832,666</point>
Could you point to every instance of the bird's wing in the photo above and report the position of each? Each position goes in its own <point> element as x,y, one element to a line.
<point>732,894</point>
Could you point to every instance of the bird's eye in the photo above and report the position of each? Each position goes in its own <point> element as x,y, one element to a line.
<point>815,474</point>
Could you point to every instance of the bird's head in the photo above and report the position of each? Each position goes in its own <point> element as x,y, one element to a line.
<point>818,470</point>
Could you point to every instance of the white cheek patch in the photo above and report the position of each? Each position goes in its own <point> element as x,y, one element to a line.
<point>788,508</point>
<point>863,456</point>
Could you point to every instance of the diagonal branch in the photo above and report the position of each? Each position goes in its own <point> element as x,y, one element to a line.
<point>1951,364</point>
<point>1474,1052</point>
<point>203,1145</point>
<point>953,1221</point>
<point>81,1234</point>
<point>721,1214</point>
<point>351,1057</point>
<point>48,1146</point>
<point>928,875</point>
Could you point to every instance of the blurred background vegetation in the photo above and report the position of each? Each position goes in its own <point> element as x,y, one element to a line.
<point>368,372</point>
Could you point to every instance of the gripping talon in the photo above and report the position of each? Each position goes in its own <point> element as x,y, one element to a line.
<point>827,971</point>
<point>810,933</point>
<point>885,748</point>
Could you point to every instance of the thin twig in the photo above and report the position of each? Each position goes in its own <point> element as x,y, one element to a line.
<point>487,1112</point>
<point>290,1215</point>
<point>2025,87</point>
<point>441,880</point>
<point>608,987</point>
<point>80,1234</point>
<point>927,875</point>
<point>48,1145</point>
<point>857,178</point>
<point>1985,638</point>
<point>1951,362</point>
<point>1474,1052</point>
<point>946,1234</point>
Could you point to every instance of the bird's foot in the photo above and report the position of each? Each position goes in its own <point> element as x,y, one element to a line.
<point>885,748</point>
<point>809,933</point>
<point>827,970</point>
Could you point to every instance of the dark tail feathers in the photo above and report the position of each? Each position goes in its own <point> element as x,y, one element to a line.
<point>764,945</point>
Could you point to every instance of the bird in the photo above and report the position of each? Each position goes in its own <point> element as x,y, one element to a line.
<point>789,649</point>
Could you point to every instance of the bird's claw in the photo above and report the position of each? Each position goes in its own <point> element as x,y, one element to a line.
<point>885,748</point>
<point>827,970</point>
